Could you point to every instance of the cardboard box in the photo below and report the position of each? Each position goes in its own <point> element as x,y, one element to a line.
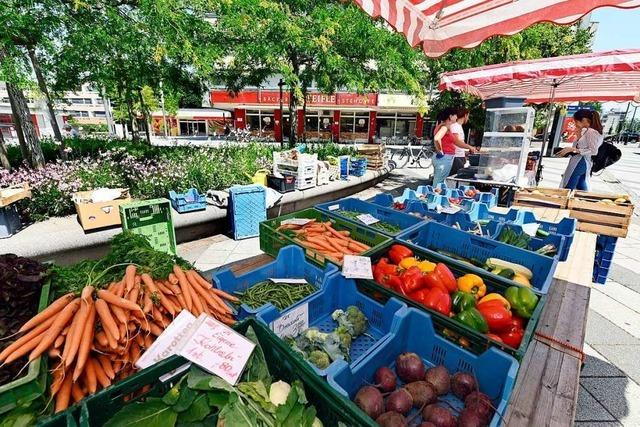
<point>102,214</point>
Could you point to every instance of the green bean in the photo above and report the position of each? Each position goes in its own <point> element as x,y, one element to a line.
<point>281,295</point>
<point>380,225</point>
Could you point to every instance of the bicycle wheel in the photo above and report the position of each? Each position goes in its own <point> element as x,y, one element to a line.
<point>424,159</point>
<point>401,158</point>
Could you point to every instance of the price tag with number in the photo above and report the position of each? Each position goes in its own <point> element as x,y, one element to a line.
<point>367,219</point>
<point>292,323</point>
<point>357,267</point>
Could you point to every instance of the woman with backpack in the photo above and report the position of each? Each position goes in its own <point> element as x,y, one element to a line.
<point>589,129</point>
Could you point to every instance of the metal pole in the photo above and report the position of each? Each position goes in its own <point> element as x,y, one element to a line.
<point>545,134</point>
<point>624,122</point>
<point>164,116</point>
<point>280,85</point>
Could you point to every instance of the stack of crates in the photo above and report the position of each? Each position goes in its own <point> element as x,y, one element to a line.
<point>605,247</point>
<point>358,166</point>
<point>152,219</point>
<point>304,169</point>
<point>247,209</point>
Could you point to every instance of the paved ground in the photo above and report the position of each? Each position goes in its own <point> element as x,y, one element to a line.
<point>610,380</point>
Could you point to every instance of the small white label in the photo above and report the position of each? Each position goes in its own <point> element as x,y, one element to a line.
<point>531,229</point>
<point>367,219</point>
<point>218,349</point>
<point>297,281</point>
<point>357,267</point>
<point>447,209</point>
<point>292,323</point>
<point>170,341</point>
<point>334,207</point>
<point>296,221</point>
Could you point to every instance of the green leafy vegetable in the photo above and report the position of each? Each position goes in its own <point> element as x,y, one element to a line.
<point>197,410</point>
<point>150,413</point>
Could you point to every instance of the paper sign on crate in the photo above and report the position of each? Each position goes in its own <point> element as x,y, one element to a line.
<point>357,267</point>
<point>217,349</point>
<point>170,341</point>
<point>292,323</point>
<point>296,221</point>
<point>367,219</point>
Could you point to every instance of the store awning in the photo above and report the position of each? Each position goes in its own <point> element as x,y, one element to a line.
<point>441,25</point>
<point>601,76</point>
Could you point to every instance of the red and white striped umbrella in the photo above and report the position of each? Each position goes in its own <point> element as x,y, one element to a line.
<point>441,25</point>
<point>600,76</point>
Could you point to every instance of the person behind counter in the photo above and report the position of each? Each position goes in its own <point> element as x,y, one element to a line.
<point>456,129</point>
<point>589,127</point>
<point>443,141</point>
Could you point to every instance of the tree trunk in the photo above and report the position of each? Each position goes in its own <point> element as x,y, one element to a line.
<point>293,117</point>
<point>4,156</point>
<point>130,119</point>
<point>42,84</point>
<point>24,125</point>
<point>143,107</point>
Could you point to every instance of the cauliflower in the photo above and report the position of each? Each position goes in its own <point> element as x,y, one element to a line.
<point>319,358</point>
<point>278,392</point>
<point>352,319</point>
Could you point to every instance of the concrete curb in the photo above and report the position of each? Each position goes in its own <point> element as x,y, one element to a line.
<point>63,240</point>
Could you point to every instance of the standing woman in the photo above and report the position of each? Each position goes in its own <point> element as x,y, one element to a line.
<point>445,148</point>
<point>588,126</point>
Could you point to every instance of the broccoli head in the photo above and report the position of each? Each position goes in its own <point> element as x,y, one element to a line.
<point>345,338</point>
<point>352,319</point>
<point>319,358</point>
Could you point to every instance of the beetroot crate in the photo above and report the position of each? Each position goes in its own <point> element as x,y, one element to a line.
<point>494,371</point>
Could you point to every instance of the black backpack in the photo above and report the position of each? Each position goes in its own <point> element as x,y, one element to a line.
<point>607,155</point>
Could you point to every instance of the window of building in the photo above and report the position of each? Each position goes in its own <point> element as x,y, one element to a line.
<point>99,114</point>
<point>78,113</point>
<point>346,123</point>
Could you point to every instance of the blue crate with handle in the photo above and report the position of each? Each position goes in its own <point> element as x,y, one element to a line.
<point>247,209</point>
<point>188,202</point>
<point>424,190</point>
<point>494,370</point>
<point>437,237</point>
<point>291,263</point>
<point>340,293</point>
<point>388,215</point>
<point>420,209</point>
<point>382,199</point>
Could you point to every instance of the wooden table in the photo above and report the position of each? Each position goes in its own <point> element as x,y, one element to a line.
<point>546,389</point>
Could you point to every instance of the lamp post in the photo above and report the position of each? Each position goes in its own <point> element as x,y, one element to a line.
<point>280,85</point>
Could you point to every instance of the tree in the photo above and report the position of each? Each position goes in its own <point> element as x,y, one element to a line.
<point>329,44</point>
<point>31,149</point>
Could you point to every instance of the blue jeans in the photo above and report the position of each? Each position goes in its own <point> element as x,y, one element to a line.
<point>578,179</point>
<point>441,167</point>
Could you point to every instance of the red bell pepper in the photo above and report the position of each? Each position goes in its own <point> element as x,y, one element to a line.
<point>496,314</point>
<point>495,337</point>
<point>398,252</point>
<point>420,295</point>
<point>512,336</point>
<point>438,300</point>
<point>441,278</point>
<point>411,279</point>
<point>387,268</point>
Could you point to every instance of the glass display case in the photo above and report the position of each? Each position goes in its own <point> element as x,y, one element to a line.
<point>506,145</point>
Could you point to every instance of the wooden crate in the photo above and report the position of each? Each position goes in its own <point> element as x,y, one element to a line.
<point>13,194</point>
<point>599,217</point>
<point>556,198</point>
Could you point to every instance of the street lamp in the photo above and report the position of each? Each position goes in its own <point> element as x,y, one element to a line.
<point>280,85</point>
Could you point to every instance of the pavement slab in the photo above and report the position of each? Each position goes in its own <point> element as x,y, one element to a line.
<point>589,409</point>
<point>620,396</point>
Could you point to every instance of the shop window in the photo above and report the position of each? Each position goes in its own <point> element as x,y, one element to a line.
<point>311,123</point>
<point>346,123</point>
<point>385,127</point>
<point>253,121</point>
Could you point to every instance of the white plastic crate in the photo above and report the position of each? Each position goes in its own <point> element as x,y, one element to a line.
<point>305,183</point>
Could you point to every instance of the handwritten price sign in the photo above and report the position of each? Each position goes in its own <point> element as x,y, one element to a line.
<point>218,349</point>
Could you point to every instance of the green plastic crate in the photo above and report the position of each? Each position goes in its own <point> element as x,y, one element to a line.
<point>32,384</point>
<point>68,418</point>
<point>152,219</point>
<point>445,326</point>
<point>332,408</point>
<point>271,240</point>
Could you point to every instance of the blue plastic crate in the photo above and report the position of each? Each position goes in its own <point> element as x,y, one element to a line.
<point>438,237</point>
<point>247,209</point>
<point>382,199</point>
<point>407,194</point>
<point>340,293</point>
<point>454,192</point>
<point>390,216</point>
<point>420,208</point>
<point>188,202</point>
<point>290,264</point>
<point>495,370</point>
<point>9,221</point>
<point>424,189</point>
<point>442,186</point>
<point>607,243</point>
<point>489,199</point>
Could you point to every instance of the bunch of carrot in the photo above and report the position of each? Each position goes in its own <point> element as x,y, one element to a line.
<point>321,237</point>
<point>96,339</point>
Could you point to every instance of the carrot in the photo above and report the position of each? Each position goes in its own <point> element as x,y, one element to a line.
<point>119,314</point>
<point>90,379</point>
<point>151,286</point>
<point>61,321</point>
<point>134,294</point>
<point>148,304</point>
<point>195,299</point>
<point>119,289</point>
<point>64,394</point>
<point>129,277</point>
<point>53,309</point>
<point>117,301</point>
<point>85,342</point>
<point>183,303</point>
<point>308,244</point>
<point>81,318</point>
<point>101,375</point>
<point>207,285</point>
<point>134,352</point>
<point>122,330</point>
<point>173,279</point>
<point>335,233</point>
<point>139,340</point>
<point>132,327</point>
<point>28,337</point>
<point>163,288</point>
<point>117,367</point>
<point>54,352</point>
<point>57,378</point>
<point>155,329</point>
<point>345,233</point>
<point>105,363</point>
<point>101,338</point>
<point>174,288</point>
<point>106,319</point>
<point>59,341</point>
<point>148,340</point>
<point>76,393</point>
<point>184,285</point>
<point>158,317</point>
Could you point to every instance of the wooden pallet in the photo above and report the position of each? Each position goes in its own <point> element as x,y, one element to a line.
<point>596,216</point>
<point>556,198</point>
<point>13,194</point>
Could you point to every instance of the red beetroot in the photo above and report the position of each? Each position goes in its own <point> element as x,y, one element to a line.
<point>369,399</point>
<point>392,419</point>
<point>410,367</point>
<point>385,379</point>
<point>422,393</point>
<point>462,384</point>
<point>399,401</point>
<point>439,416</point>
<point>439,378</point>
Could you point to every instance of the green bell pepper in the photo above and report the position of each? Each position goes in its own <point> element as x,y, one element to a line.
<point>462,301</point>
<point>523,300</point>
<point>473,319</point>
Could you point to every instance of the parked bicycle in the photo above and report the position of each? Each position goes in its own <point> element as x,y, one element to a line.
<point>423,159</point>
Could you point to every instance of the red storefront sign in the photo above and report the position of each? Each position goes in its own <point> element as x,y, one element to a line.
<point>272,98</point>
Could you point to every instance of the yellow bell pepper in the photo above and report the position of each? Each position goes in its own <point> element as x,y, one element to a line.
<point>408,262</point>
<point>426,266</point>
<point>472,284</point>
<point>521,279</point>
<point>493,296</point>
